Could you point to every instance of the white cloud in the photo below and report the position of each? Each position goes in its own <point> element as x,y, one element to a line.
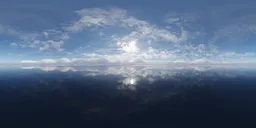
<point>49,44</point>
<point>29,67</point>
<point>48,39</point>
<point>14,44</point>
<point>48,61</point>
<point>127,59</point>
<point>29,61</point>
<point>183,17</point>
<point>46,34</point>
<point>96,17</point>
<point>43,61</point>
<point>203,61</point>
<point>6,30</point>
<point>141,40</point>
<point>152,53</point>
<point>56,44</point>
<point>65,60</point>
<point>172,20</point>
<point>117,17</point>
<point>45,47</point>
<point>128,47</point>
<point>65,36</point>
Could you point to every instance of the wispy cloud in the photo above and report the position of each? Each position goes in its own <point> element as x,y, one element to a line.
<point>14,44</point>
<point>96,17</point>
<point>6,30</point>
<point>119,38</point>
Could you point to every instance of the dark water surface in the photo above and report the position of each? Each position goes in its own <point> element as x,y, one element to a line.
<point>174,96</point>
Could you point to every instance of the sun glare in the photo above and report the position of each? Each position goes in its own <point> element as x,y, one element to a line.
<point>130,47</point>
<point>132,81</point>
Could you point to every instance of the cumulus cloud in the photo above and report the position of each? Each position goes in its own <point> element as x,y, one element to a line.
<point>49,44</point>
<point>128,47</point>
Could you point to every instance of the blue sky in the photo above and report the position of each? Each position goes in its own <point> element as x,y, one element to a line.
<point>127,31</point>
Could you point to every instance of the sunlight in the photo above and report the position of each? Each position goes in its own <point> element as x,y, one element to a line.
<point>132,81</point>
<point>130,47</point>
<point>129,81</point>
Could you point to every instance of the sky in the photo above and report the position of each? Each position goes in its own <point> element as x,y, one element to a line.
<point>128,31</point>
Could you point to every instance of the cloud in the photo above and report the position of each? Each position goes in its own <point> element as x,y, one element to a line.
<point>14,44</point>
<point>46,34</point>
<point>48,61</point>
<point>179,18</point>
<point>49,44</point>
<point>96,17</point>
<point>29,62</point>
<point>56,44</point>
<point>222,24</point>
<point>131,54</point>
<point>6,30</point>
<point>128,47</point>
<point>46,40</point>
<point>152,53</point>
<point>45,47</point>
<point>133,45</point>
<point>66,61</point>
<point>91,60</point>
<point>203,61</point>
<point>143,59</point>
<point>119,38</point>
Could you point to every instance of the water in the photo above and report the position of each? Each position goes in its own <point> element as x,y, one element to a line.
<point>179,96</point>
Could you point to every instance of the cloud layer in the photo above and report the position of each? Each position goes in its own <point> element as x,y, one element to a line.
<point>116,36</point>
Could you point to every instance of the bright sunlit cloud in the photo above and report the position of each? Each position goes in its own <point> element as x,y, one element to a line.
<point>132,81</point>
<point>129,47</point>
